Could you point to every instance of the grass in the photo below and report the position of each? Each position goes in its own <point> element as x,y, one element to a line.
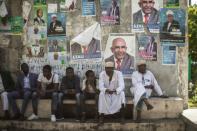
<point>191,104</point>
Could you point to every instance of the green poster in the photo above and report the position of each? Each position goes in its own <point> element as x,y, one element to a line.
<point>172,3</point>
<point>40,15</point>
<point>39,2</point>
<point>17,25</point>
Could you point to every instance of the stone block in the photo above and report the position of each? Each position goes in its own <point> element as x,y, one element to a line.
<point>190,118</point>
<point>163,108</point>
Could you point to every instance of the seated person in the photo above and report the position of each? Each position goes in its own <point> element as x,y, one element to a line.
<point>90,91</point>
<point>25,88</point>
<point>144,82</point>
<point>48,83</point>
<point>70,87</point>
<point>6,85</point>
<point>111,97</point>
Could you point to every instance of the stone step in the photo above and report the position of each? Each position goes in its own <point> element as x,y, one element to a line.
<point>71,125</point>
<point>171,107</point>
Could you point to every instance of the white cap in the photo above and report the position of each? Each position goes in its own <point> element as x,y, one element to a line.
<point>141,62</point>
<point>169,12</point>
<point>53,15</point>
<point>109,64</point>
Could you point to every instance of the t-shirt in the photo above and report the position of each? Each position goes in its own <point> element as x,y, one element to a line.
<point>44,81</point>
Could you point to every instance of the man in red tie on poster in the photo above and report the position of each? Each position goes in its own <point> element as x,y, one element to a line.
<point>147,14</point>
<point>123,61</point>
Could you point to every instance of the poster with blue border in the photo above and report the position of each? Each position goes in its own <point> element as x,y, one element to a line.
<point>110,12</point>
<point>172,26</point>
<point>168,54</point>
<point>147,46</point>
<point>88,8</point>
<point>56,24</point>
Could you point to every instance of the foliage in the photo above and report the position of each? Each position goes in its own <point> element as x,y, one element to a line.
<point>192,35</point>
<point>193,92</point>
<point>192,31</point>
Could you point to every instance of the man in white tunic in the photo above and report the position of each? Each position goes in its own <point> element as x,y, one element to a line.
<point>111,97</point>
<point>143,83</point>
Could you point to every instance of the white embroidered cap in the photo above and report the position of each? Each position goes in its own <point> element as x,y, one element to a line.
<point>169,12</point>
<point>53,15</point>
<point>109,64</point>
<point>141,62</point>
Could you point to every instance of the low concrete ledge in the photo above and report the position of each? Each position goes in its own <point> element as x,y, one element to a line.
<point>44,107</point>
<point>171,107</point>
<point>190,118</point>
<point>70,125</point>
<point>163,108</point>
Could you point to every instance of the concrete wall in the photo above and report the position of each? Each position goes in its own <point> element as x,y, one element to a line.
<point>173,79</point>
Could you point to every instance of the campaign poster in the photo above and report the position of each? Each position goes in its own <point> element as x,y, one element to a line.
<point>40,15</point>
<point>110,12</point>
<point>17,25</point>
<point>36,32</point>
<point>147,46</point>
<point>56,24</point>
<point>39,2</point>
<point>26,8</point>
<point>52,8</point>
<point>169,54</point>
<point>5,24</point>
<point>68,5</point>
<point>57,58</point>
<point>145,15</point>
<point>87,45</point>
<point>172,26</point>
<point>36,48</point>
<point>57,44</point>
<point>88,8</point>
<point>120,49</point>
<point>172,3</point>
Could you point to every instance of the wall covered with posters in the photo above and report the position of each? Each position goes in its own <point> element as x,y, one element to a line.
<point>79,33</point>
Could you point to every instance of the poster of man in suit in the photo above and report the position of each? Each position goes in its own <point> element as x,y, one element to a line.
<point>36,49</point>
<point>147,46</point>
<point>120,49</point>
<point>110,12</point>
<point>172,26</point>
<point>145,14</point>
<point>57,44</point>
<point>40,15</point>
<point>56,24</point>
<point>87,45</point>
